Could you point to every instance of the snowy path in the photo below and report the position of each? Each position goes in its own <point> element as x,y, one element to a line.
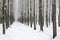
<point>19,31</point>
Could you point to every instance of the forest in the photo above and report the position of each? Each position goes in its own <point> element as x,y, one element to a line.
<point>35,14</point>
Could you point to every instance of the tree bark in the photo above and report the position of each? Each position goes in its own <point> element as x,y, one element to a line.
<point>59,17</point>
<point>54,18</point>
<point>47,13</point>
<point>40,15</point>
<point>28,12</point>
<point>34,17</point>
<point>31,13</point>
<point>22,11</point>
<point>7,15</point>
<point>3,16</point>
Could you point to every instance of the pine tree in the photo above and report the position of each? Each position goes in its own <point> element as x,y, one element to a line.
<point>54,18</point>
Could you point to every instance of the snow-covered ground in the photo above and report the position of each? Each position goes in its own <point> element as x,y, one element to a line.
<point>19,31</point>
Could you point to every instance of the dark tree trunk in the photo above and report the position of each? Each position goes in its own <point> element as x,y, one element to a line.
<point>59,14</point>
<point>47,13</point>
<point>25,12</point>
<point>31,13</point>
<point>7,15</point>
<point>54,18</point>
<point>28,17</point>
<point>40,15</point>
<point>34,17</point>
<point>28,12</point>
<point>59,17</point>
<point>3,16</point>
<point>10,11</point>
<point>22,17</point>
<point>22,11</point>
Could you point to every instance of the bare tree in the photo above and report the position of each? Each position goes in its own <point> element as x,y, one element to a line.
<point>54,18</point>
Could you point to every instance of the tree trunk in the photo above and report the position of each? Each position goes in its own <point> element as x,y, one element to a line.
<point>22,11</point>
<point>31,13</point>
<point>40,15</point>
<point>47,13</point>
<point>54,18</point>
<point>34,17</point>
<point>59,17</point>
<point>28,11</point>
<point>59,14</point>
<point>3,16</point>
<point>28,17</point>
<point>10,11</point>
<point>7,15</point>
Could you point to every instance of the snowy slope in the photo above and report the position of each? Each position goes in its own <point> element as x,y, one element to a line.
<point>18,31</point>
